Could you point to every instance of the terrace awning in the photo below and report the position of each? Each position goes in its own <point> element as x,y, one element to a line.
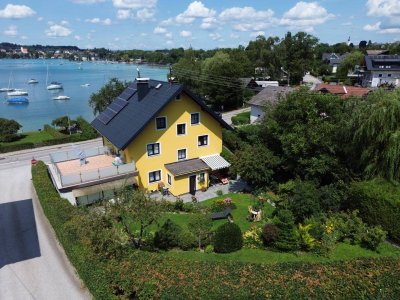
<point>215,162</point>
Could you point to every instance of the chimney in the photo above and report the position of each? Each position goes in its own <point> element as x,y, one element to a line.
<point>142,87</point>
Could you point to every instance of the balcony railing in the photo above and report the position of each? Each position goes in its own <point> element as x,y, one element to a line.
<point>94,174</point>
<point>74,154</point>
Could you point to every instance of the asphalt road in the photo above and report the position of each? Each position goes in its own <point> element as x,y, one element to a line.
<point>32,264</point>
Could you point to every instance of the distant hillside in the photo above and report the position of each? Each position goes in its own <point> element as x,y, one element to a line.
<point>10,46</point>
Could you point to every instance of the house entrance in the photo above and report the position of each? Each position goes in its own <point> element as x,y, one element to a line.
<point>192,184</point>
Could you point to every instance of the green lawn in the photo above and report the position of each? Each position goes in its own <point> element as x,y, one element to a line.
<point>31,137</point>
<point>241,119</point>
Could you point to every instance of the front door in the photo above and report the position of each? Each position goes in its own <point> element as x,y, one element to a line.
<point>192,184</point>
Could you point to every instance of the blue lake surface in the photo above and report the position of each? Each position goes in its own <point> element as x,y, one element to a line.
<point>42,109</point>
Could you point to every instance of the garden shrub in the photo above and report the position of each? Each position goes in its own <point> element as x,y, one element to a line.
<point>252,237</point>
<point>167,206</point>
<point>348,226</point>
<point>168,236</point>
<point>373,237</point>
<point>317,223</point>
<point>228,238</point>
<point>287,239</point>
<point>178,204</point>
<point>219,193</point>
<point>52,131</point>
<point>220,205</point>
<point>241,119</point>
<point>378,204</point>
<point>269,234</point>
<point>306,240</point>
<point>303,201</point>
<point>187,240</point>
<point>209,249</point>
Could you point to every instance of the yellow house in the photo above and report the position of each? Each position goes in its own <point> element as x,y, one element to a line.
<point>170,134</point>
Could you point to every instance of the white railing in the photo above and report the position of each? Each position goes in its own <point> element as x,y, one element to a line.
<point>96,174</point>
<point>70,155</point>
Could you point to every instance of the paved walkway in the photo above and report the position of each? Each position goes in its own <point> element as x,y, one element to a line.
<point>227,117</point>
<point>234,186</point>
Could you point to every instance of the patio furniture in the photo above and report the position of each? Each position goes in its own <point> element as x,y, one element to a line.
<point>254,215</point>
<point>226,214</point>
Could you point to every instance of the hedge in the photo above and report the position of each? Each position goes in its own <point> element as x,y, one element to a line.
<point>149,275</point>
<point>378,202</point>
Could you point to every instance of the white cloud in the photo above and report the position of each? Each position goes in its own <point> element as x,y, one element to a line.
<point>88,1</point>
<point>23,37</point>
<point>169,42</point>
<point>57,30</point>
<point>11,31</point>
<point>64,23</point>
<point>99,21</point>
<point>123,14</point>
<point>248,18</point>
<point>135,4</point>
<point>383,8</point>
<point>196,9</point>
<point>12,11</point>
<point>167,22</point>
<point>234,36</point>
<point>168,35</point>
<point>40,19</point>
<point>145,14</point>
<point>215,36</point>
<point>305,15</point>
<point>257,33</point>
<point>77,37</point>
<point>185,34</point>
<point>159,30</point>
<point>208,23</point>
<point>373,27</point>
<point>143,34</point>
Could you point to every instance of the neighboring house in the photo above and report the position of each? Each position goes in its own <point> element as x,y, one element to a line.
<point>167,132</point>
<point>251,84</point>
<point>343,91</point>
<point>334,60</point>
<point>381,69</point>
<point>377,52</point>
<point>269,95</point>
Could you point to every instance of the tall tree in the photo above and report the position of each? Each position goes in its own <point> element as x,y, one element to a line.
<point>100,100</point>
<point>352,60</point>
<point>8,130</point>
<point>188,70</point>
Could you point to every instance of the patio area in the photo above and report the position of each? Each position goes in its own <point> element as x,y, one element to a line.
<point>234,186</point>
<point>92,163</point>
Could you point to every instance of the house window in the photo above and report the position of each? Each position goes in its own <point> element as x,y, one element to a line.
<point>181,129</point>
<point>380,75</point>
<point>169,179</point>
<point>154,176</point>
<point>178,97</point>
<point>153,149</point>
<point>161,123</point>
<point>181,154</point>
<point>195,118</point>
<point>389,75</point>
<point>203,140</point>
<point>201,177</point>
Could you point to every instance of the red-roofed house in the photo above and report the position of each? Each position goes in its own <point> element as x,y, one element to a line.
<point>343,91</point>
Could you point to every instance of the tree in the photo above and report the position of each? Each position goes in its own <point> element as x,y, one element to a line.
<point>188,70</point>
<point>220,82</point>
<point>287,240</point>
<point>64,122</point>
<point>376,138</point>
<point>200,226</point>
<point>349,63</point>
<point>168,235</point>
<point>134,205</point>
<point>8,130</point>
<point>228,238</point>
<point>255,164</point>
<point>100,100</point>
<point>304,200</point>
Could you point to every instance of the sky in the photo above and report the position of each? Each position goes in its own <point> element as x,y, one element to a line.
<point>206,24</point>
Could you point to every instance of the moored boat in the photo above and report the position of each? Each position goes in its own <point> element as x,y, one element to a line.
<point>18,100</point>
<point>17,92</point>
<point>61,97</point>
<point>32,81</point>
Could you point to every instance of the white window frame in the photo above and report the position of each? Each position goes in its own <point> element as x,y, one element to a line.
<point>148,176</point>
<point>186,154</point>
<point>169,179</point>
<point>191,124</point>
<point>208,140</point>
<point>159,149</point>
<point>166,122</point>
<point>204,177</point>
<point>177,129</point>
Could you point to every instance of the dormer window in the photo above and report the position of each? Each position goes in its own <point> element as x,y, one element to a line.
<point>195,118</point>
<point>161,123</point>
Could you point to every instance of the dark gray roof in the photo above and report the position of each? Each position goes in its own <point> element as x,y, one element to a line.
<point>270,94</point>
<point>382,62</point>
<point>188,166</point>
<point>126,124</point>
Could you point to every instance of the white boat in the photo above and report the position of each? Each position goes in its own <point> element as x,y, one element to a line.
<point>32,81</point>
<point>9,88</point>
<point>61,97</point>
<point>17,92</point>
<point>53,85</point>
<point>85,85</point>
<point>6,90</point>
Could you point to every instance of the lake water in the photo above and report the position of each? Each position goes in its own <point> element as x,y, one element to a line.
<point>42,109</point>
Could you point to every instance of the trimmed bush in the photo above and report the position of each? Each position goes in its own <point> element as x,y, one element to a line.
<point>373,237</point>
<point>228,238</point>
<point>168,236</point>
<point>287,239</point>
<point>378,204</point>
<point>241,119</point>
<point>220,205</point>
<point>187,240</point>
<point>269,234</point>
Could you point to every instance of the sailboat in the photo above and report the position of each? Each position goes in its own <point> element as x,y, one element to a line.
<point>8,89</point>
<point>54,85</point>
<point>17,92</point>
